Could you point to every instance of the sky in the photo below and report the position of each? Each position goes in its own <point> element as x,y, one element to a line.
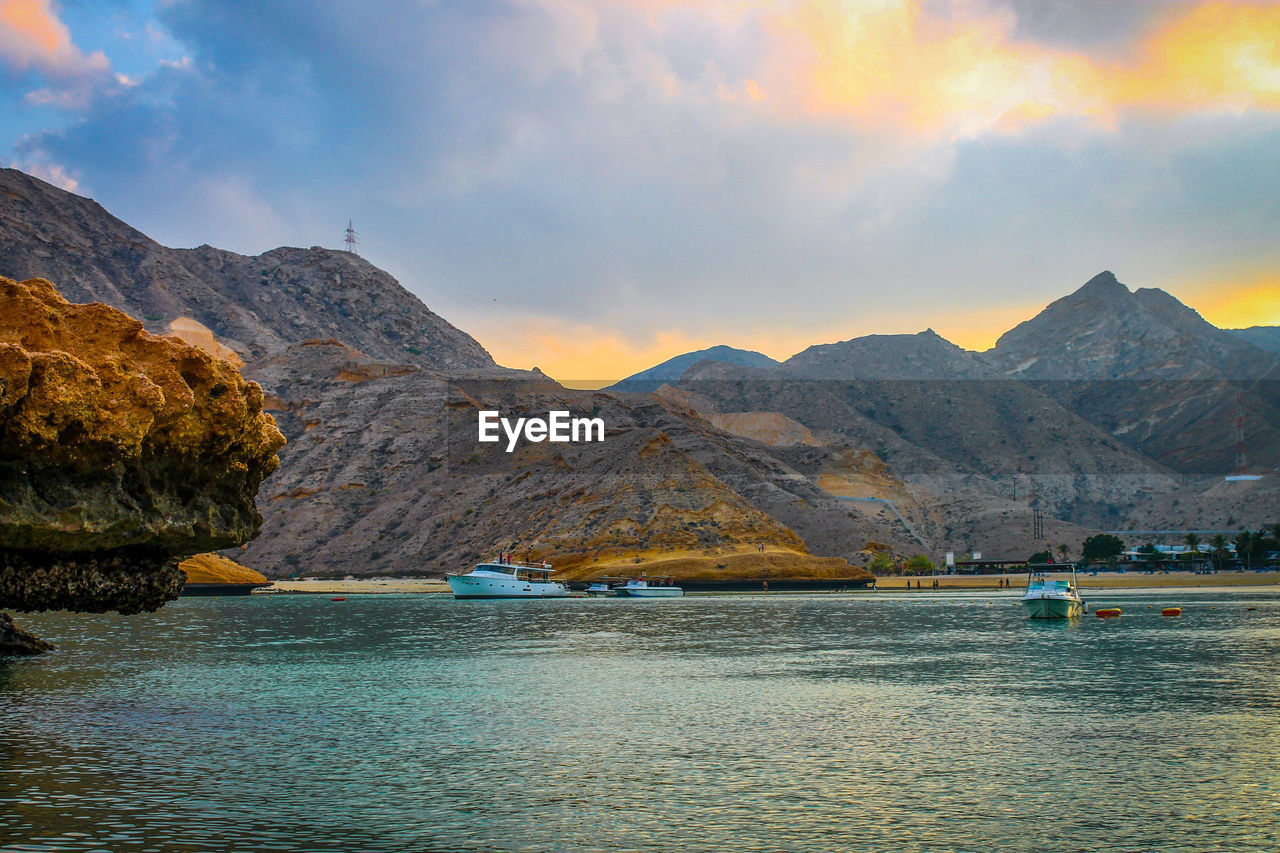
<point>591,187</point>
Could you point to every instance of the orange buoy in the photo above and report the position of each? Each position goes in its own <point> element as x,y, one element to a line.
<point>1171,611</point>
<point>1106,612</point>
<point>339,598</point>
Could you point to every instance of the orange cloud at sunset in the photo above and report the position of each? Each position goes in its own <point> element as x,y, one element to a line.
<point>1219,55</point>
<point>32,36</point>
<point>891,64</point>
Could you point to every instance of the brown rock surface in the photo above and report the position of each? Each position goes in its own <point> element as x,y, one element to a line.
<point>120,453</point>
<point>215,568</point>
<point>15,641</point>
<point>771,428</point>
<point>116,438</point>
<point>387,472</point>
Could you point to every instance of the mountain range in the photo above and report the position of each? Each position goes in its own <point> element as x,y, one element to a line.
<point>1110,409</point>
<point>673,368</point>
<point>1267,337</point>
<point>378,398</point>
<point>1141,379</point>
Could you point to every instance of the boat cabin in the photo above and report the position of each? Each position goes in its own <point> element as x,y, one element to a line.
<point>539,572</point>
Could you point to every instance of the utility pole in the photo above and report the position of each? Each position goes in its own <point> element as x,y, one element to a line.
<point>351,239</point>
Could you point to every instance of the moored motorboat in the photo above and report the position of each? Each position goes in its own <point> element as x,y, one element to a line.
<point>601,587</point>
<point>645,587</point>
<point>1047,598</point>
<point>507,579</point>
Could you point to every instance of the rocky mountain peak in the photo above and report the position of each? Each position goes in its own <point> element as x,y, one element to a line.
<point>924,355</point>
<point>1105,331</point>
<point>1182,317</point>
<point>253,304</point>
<point>672,369</point>
<point>1104,283</point>
<point>1149,369</point>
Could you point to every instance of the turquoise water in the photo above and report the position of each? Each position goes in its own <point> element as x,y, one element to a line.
<point>916,722</point>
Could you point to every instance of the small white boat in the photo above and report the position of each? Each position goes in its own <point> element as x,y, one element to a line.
<point>1047,598</point>
<point>505,579</point>
<point>599,589</point>
<point>642,588</point>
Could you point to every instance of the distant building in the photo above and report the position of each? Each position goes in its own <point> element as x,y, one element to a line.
<point>1172,552</point>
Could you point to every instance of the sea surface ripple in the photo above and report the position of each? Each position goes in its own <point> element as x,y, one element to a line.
<point>800,723</point>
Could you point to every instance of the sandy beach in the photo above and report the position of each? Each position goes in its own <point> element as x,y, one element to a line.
<point>362,586</point>
<point>1088,581</point>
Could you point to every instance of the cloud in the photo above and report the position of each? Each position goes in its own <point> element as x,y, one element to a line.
<point>33,37</point>
<point>624,177</point>
<point>891,65</point>
<point>52,173</point>
<point>35,43</point>
<point>1218,56</point>
<point>1097,27</point>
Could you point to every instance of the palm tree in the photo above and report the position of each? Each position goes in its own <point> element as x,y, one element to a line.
<point>1192,542</point>
<point>1245,546</point>
<point>1219,545</point>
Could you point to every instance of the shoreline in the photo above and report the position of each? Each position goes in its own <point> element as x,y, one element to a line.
<point>1108,581</point>
<point>1088,580</point>
<point>360,586</point>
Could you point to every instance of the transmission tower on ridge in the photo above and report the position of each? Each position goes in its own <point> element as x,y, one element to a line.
<point>351,239</point>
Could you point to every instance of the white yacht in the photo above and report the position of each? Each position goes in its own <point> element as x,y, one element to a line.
<point>642,588</point>
<point>1047,598</point>
<point>505,579</point>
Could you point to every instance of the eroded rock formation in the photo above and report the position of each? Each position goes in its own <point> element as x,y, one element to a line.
<point>15,641</point>
<point>121,452</point>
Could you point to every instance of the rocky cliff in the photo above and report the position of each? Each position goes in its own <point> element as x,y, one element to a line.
<point>379,396</point>
<point>384,468</point>
<point>253,304</point>
<point>121,452</point>
<point>939,417</point>
<point>217,569</point>
<point>1151,372</point>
